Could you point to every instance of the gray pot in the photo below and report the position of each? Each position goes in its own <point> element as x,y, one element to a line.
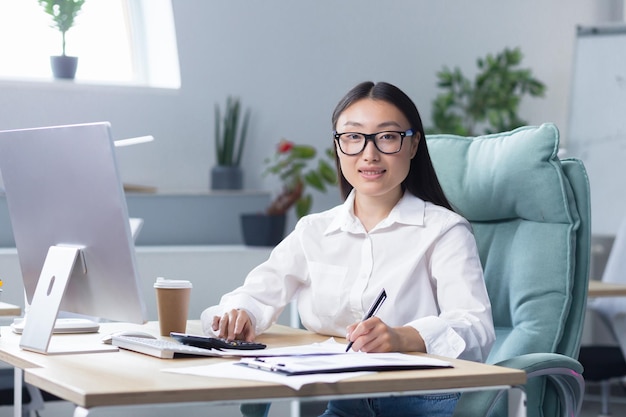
<point>226,178</point>
<point>260,229</point>
<point>64,66</point>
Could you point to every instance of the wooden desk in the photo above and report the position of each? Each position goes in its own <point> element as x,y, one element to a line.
<point>126,378</point>
<point>606,289</point>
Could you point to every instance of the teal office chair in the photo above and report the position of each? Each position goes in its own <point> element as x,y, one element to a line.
<point>531,218</point>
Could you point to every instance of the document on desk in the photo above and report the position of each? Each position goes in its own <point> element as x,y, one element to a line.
<point>347,362</point>
<point>296,371</point>
<point>233,370</point>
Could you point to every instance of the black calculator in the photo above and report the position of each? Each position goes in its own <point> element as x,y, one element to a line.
<point>215,342</point>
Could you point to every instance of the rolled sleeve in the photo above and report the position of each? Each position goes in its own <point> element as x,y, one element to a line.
<point>439,338</point>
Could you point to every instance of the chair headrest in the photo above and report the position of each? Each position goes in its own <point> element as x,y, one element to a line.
<point>508,175</point>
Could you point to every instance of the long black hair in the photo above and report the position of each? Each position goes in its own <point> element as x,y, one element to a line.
<point>421,180</point>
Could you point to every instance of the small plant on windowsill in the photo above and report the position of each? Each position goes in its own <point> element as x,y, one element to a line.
<point>63,14</point>
<point>290,164</point>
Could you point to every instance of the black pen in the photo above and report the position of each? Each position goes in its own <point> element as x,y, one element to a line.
<point>373,309</point>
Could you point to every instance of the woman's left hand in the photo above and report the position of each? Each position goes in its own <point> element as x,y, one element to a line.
<point>373,335</point>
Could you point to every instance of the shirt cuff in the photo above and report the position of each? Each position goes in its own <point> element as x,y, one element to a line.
<point>439,338</point>
<point>206,318</point>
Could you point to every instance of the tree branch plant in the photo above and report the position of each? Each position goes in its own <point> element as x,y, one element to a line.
<point>490,102</point>
<point>290,164</point>
<point>230,132</point>
<point>63,13</point>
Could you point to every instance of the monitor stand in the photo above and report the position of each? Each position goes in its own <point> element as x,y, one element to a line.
<point>44,309</point>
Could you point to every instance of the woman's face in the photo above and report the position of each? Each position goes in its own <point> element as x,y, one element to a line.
<point>372,172</point>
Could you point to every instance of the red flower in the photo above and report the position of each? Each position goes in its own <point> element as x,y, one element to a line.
<point>284,146</point>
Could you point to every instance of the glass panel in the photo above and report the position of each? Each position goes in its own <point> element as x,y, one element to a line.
<point>115,41</point>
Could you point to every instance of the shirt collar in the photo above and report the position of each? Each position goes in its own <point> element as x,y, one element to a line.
<point>409,210</point>
<point>345,219</point>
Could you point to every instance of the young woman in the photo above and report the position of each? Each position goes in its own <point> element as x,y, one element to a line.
<point>395,230</point>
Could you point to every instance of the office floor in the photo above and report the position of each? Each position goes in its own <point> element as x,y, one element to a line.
<point>592,406</point>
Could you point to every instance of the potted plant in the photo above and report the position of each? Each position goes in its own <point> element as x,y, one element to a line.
<point>490,102</point>
<point>291,164</point>
<point>230,138</point>
<point>63,13</point>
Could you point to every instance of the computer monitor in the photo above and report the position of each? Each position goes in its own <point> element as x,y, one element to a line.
<point>71,227</point>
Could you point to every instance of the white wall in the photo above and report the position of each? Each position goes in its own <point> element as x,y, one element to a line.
<point>291,61</point>
<point>213,270</point>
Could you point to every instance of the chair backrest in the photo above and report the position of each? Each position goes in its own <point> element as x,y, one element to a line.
<point>531,216</point>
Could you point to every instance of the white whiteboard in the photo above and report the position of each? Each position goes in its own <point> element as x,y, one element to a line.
<point>597,121</point>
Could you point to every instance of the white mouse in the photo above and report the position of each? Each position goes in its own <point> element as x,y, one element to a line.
<point>133,333</point>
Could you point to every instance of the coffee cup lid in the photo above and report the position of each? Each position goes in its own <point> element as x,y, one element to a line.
<point>172,283</point>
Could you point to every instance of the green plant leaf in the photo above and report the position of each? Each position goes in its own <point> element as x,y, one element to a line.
<point>230,138</point>
<point>290,163</point>
<point>63,13</point>
<point>491,100</point>
<point>218,135</point>
<point>327,172</point>
<point>303,205</point>
<point>314,179</point>
<point>242,136</point>
<point>303,151</point>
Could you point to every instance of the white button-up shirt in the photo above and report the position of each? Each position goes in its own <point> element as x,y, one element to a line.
<point>423,255</point>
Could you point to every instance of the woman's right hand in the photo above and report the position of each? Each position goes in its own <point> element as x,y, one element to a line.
<point>234,325</point>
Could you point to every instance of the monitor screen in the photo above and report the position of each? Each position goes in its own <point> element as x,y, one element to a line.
<point>63,191</point>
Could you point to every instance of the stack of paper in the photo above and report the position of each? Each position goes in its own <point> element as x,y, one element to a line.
<point>347,362</point>
<point>296,366</point>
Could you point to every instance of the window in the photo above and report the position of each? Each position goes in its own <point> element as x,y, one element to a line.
<point>117,41</point>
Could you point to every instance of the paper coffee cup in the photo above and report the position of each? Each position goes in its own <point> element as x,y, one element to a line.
<point>172,304</point>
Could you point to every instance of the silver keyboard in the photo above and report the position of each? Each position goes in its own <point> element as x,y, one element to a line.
<point>164,349</point>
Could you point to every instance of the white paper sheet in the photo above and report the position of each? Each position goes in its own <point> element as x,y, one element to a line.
<point>305,353</point>
<point>231,370</point>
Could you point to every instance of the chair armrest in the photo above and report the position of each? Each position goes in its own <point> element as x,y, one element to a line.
<point>536,362</point>
<point>564,372</point>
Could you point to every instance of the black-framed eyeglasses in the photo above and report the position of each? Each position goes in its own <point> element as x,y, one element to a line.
<point>387,142</point>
